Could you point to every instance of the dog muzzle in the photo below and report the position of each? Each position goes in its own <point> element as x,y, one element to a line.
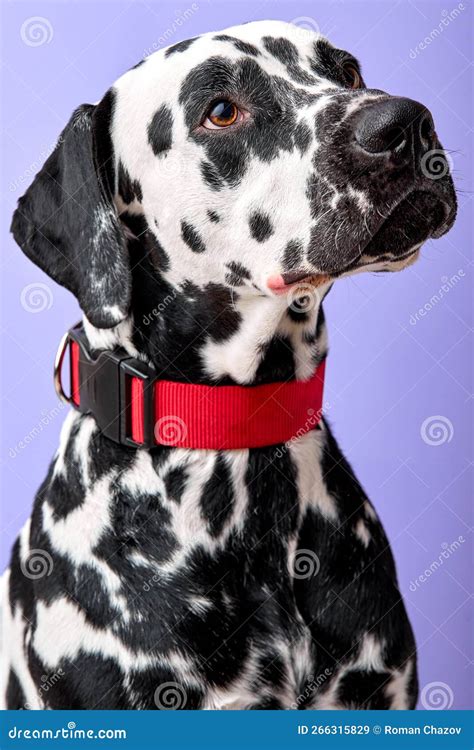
<point>134,407</point>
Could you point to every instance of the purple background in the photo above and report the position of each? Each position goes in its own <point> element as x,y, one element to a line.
<point>388,371</point>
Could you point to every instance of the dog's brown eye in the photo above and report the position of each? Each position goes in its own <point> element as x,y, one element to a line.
<point>352,76</point>
<point>222,114</point>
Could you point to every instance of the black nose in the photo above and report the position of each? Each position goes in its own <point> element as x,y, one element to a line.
<point>400,127</point>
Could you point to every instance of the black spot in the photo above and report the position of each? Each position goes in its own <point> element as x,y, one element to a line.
<point>128,189</point>
<point>261,227</point>
<point>328,61</point>
<point>138,64</point>
<point>269,703</point>
<point>237,274</point>
<point>195,314</point>
<point>175,482</point>
<point>90,681</point>
<point>302,137</point>
<point>293,255</point>
<point>180,46</point>
<point>286,52</point>
<point>281,48</point>
<point>139,521</point>
<point>278,362</point>
<point>160,130</point>
<point>364,690</point>
<point>138,225</point>
<point>246,47</point>
<point>211,175</point>
<point>192,238</point>
<point>214,216</point>
<point>271,669</point>
<point>15,698</point>
<point>217,498</point>
<point>271,128</point>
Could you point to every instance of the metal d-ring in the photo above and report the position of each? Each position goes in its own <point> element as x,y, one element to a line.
<point>58,363</point>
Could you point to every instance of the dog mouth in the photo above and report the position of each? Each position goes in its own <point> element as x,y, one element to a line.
<point>393,246</point>
<point>282,283</point>
<point>418,217</point>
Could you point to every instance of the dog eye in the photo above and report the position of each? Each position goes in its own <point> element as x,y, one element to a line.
<point>221,114</point>
<point>352,76</point>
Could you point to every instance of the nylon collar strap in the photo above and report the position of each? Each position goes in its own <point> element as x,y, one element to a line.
<point>133,407</point>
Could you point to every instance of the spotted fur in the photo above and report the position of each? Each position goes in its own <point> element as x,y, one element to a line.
<point>184,566</point>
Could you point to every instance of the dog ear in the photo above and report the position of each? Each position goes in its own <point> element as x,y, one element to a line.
<point>67,224</point>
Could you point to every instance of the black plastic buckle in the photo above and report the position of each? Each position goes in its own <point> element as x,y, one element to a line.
<point>105,386</point>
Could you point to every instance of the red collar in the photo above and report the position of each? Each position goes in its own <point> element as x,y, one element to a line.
<point>135,408</point>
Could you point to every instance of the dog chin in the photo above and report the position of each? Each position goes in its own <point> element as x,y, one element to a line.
<point>387,264</point>
<point>417,218</point>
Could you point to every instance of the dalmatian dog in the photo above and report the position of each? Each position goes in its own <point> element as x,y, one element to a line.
<point>200,213</point>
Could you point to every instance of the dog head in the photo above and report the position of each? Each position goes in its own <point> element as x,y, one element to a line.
<point>254,159</point>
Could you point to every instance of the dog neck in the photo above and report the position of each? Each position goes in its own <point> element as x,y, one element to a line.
<point>216,334</point>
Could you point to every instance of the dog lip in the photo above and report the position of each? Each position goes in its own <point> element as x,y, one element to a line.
<point>292,277</point>
<point>449,217</point>
<point>280,283</point>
